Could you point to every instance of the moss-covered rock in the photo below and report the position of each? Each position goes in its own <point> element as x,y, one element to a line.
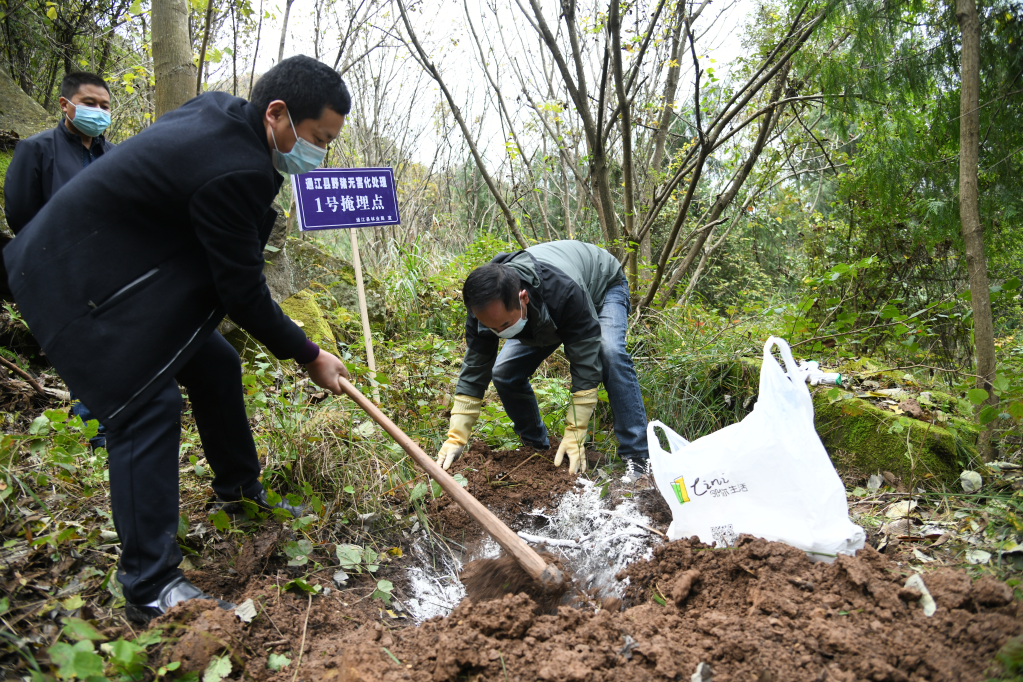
<point>305,311</point>
<point>338,278</point>
<point>19,112</point>
<point>864,438</point>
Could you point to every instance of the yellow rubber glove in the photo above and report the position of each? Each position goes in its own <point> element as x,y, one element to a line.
<point>576,423</point>
<point>464,412</point>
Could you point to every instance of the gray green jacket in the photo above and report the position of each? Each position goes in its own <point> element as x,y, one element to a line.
<point>566,282</point>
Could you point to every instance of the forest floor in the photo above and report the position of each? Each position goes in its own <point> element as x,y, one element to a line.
<point>758,611</point>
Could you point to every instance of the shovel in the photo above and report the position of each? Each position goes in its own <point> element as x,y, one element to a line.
<point>547,575</point>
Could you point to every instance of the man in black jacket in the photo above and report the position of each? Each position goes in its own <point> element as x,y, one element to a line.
<point>125,273</point>
<point>45,162</point>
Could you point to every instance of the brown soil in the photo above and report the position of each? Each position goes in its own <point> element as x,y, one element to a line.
<point>759,611</point>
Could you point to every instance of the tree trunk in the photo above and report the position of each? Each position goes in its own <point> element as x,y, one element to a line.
<point>205,43</point>
<point>234,50</point>
<point>632,246</point>
<point>172,55</point>
<point>969,213</point>
<point>284,30</point>
<point>255,53</point>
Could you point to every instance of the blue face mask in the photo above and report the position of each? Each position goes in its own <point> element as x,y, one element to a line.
<point>303,157</point>
<point>512,331</point>
<point>90,121</point>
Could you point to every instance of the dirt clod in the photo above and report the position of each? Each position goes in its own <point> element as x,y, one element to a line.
<point>489,579</point>
<point>683,585</point>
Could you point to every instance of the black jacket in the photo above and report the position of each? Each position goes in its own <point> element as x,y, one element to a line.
<point>131,265</point>
<point>42,164</point>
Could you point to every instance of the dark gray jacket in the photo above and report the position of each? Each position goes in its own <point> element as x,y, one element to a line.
<point>42,164</point>
<point>566,282</point>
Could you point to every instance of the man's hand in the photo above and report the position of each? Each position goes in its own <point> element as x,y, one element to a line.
<point>325,370</point>
<point>464,412</point>
<point>576,423</point>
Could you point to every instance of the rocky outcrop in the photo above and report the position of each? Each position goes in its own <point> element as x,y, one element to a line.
<point>19,112</point>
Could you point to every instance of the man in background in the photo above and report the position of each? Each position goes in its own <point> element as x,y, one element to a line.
<point>47,161</point>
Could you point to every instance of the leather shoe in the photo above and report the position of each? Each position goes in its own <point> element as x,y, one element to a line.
<point>175,592</point>
<point>236,508</point>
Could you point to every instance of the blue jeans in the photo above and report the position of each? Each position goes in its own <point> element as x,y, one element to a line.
<point>517,362</point>
<point>79,409</point>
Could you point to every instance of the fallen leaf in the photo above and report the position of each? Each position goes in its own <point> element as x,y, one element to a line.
<point>922,557</point>
<point>916,582</point>
<point>246,611</point>
<point>978,556</point>
<point>971,481</point>
<point>902,509</point>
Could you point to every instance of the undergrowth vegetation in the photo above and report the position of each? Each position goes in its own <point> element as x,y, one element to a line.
<point>698,364</point>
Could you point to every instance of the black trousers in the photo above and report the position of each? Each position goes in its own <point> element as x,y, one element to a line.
<point>143,462</point>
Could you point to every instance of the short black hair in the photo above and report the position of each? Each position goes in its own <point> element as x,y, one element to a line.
<point>492,282</point>
<point>73,82</point>
<point>306,85</point>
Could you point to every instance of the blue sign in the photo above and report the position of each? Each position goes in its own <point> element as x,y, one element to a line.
<point>336,198</point>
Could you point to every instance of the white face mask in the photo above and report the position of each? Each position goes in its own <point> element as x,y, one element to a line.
<point>513,330</point>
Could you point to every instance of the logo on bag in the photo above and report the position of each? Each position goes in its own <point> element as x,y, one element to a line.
<point>679,486</point>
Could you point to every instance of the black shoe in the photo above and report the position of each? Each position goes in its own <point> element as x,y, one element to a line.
<point>237,508</point>
<point>177,591</point>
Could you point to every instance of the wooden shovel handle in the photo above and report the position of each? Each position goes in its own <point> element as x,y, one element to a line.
<point>548,575</point>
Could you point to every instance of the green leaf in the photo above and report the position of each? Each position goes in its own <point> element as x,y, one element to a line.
<point>350,556</point>
<point>383,591</point>
<point>419,491</point>
<point>276,662</point>
<point>221,521</point>
<point>988,415</point>
<point>1016,410</point>
<point>977,396</point>
<point>436,489</point>
<point>369,557</point>
<point>127,657</point>
<point>304,522</point>
<point>349,489</point>
<point>79,629</point>
<point>300,584</point>
<point>659,599</point>
<point>79,661</point>
<point>182,527</point>
<point>461,480</point>
<point>52,13</point>
<point>299,552</point>
<point>164,669</point>
<point>72,603</point>
<point>39,425</point>
<point>218,669</point>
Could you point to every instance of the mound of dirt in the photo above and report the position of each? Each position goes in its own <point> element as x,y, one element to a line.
<point>758,611</point>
